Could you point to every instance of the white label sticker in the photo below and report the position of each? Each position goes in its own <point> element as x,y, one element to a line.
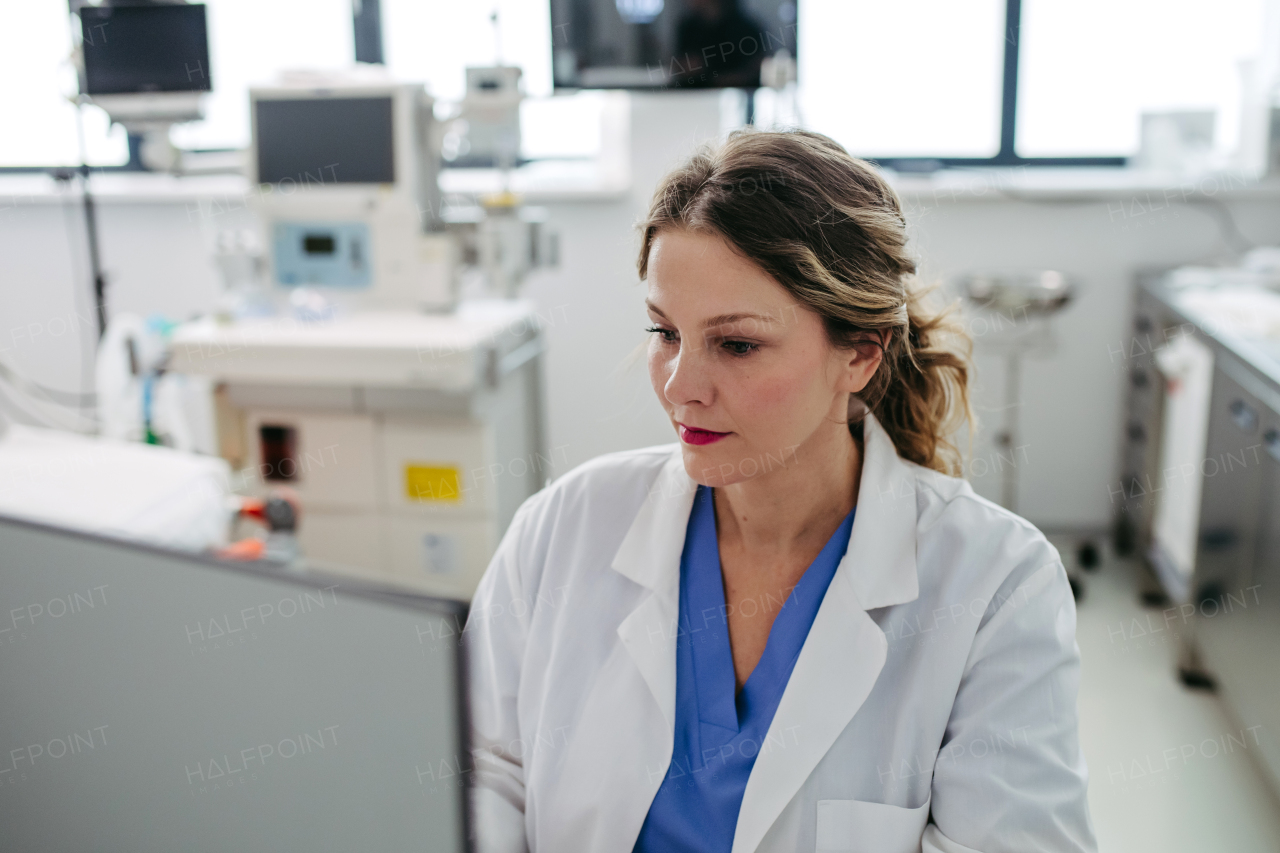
<point>440,554</point>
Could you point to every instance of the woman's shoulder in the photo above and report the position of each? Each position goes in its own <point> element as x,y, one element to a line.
<point>939,494</point>
<point>978,532</point>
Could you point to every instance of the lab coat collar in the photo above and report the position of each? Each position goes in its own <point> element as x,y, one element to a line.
<point>884,527</point>
<point>883,535</point>
<point>844,651</point>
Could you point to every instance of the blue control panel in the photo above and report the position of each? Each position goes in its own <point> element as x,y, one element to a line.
<point>329,254</point>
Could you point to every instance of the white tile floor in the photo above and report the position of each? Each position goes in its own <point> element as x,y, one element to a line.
<point>1137,722</point>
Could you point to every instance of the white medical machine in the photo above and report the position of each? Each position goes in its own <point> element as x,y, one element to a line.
<point>345,177</point>
<point>490,117</point>
<point>503,237</point>
<point>407,421</point>
<point>410,439</point>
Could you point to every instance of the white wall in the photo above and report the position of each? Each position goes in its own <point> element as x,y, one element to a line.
<point>156,250</point>
<point>157,254</point>
<point>1072,401</point>
<point>599,394</point>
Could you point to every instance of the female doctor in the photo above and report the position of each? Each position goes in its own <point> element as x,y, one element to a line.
<point>794,628</point>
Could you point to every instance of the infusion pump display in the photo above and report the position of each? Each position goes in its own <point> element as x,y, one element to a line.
<point>331,254</point>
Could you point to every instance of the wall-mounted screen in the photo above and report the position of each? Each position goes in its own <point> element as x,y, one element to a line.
<point>665,44</point>
<point>129,49</point>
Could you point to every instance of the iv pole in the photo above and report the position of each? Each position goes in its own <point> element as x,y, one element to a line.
<point>99,279</point>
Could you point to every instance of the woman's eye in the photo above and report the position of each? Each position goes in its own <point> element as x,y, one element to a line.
<point>664,333</point>
<point>735,348</point>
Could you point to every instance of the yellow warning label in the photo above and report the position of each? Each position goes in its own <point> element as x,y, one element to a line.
<point>432,483</point>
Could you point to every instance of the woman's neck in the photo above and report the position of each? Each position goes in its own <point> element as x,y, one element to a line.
<point>793,509</point>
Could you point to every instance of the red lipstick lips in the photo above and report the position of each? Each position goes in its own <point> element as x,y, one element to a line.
<point>699,436</point>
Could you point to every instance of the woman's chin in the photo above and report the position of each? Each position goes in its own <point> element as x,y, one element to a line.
<point>709,465</point>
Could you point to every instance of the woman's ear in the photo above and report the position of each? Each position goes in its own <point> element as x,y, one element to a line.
<point>867,358</point>
<point>876,354</point>
<point>876,347</point>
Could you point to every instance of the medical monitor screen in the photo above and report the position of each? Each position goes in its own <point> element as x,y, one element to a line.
<point>325,140</point>
<point>130,49</point>
<point>153,701</point>
<point>665,44</point>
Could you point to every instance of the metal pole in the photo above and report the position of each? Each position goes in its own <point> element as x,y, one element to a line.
<point>90,211</point>
<point>1009,89</point>
<point>1012,381</point>
<point>95,261</point>
<point>366,20</point>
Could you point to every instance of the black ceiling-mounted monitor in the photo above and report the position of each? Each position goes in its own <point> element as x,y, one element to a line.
<point>667,44</point>
<point>139,49</point>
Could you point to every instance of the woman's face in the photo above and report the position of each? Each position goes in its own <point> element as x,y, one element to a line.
<point>735,355</point>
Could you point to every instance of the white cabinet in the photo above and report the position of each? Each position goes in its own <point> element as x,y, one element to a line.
<point>328,458</point>
<point>410,440</point>
<point>450,554</point>
<point>437,467</point>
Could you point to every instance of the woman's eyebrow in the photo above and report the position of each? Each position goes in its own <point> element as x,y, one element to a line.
<point>718,320</point>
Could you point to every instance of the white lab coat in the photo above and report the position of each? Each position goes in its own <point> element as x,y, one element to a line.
<point>933,705</point>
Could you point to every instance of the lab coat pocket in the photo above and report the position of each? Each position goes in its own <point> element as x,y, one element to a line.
<point>859,826</point>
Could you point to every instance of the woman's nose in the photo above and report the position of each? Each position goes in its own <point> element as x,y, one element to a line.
<point>688,375</point>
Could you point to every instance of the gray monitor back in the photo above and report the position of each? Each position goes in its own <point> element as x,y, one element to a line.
<point>156,701</point>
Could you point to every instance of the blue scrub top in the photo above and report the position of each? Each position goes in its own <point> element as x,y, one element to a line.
<point>717,733</point>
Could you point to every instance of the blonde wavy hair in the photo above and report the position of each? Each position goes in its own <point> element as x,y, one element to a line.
<point>828,228</point>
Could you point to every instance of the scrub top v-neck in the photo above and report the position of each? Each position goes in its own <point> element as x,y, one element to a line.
<point>717,733</point>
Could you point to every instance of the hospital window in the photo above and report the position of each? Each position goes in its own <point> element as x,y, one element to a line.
<point>907,81</point>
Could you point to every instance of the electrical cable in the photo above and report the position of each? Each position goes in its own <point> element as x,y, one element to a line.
<point>19,384</point>
<point>88,353</point>
<point>43,392</point>
<point>14,398</point>
<point>91,225</point>
<point>1232,236</point>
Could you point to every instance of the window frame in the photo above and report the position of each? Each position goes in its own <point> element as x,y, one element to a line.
<point>367,33</point>
<point>1007,155</point>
